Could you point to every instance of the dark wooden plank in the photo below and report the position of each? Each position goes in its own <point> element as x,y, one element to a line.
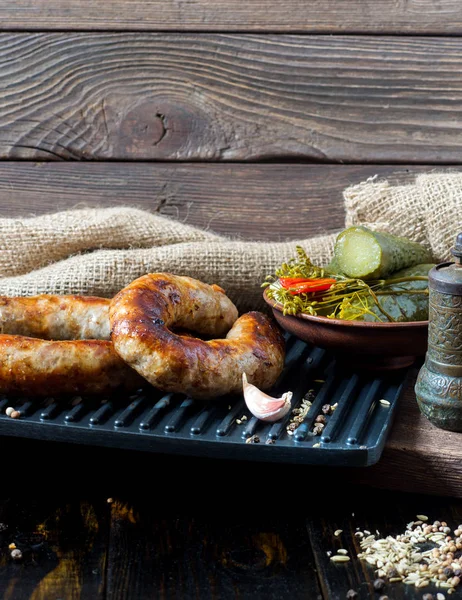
<point>63,541</point>
<point>387,513</point>
<point>418,456</point>
<point>230,97</point>
<point>328,16</point>
<point>268,201</point>
<point>225,553</point>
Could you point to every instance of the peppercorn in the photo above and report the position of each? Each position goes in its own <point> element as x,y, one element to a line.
<point>320,419</point>
<point>379,585</point>
<point>16,554</point>
<point>448,572</point>
<point>351,595</point>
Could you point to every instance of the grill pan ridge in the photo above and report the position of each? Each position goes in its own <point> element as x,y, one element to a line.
<point>149,420</point>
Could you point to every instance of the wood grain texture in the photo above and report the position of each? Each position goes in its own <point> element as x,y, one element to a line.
<point>419,456</point>
<point>328,16</point>
<point>266,201</point>
<point>63,542</point>
<point>230,97</point>
<point>238,554</point>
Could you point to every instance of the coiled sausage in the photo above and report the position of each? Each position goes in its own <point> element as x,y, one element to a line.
<point>143,313</point>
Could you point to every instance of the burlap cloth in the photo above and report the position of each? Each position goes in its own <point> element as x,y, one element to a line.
<point>98,251</point>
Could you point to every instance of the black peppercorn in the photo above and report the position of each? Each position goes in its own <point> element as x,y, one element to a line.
<point>379,585</point>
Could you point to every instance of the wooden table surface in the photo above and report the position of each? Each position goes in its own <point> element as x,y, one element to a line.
<point>246,118</point>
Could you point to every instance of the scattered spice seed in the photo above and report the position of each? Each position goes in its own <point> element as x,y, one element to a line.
<point>422,517</point>
<point>402,558</point>
<point>316,445</point>
<point>351,595</point>
<point>254,439</point>
<point>439,596</point>
<point>342,551</point>
<point>300,415</point>
<point>384,402</point>
<point>9,410</point>
<point>337,532</point>
<point>238,421</point>
<point>15,414</point>
<point>269,441</point>
<point>317,429</point>
<point>428,597</point>
<point>12,546</point>
<point>16,554</point>
<point>340,558</point>
<point>383,598</point>
<point>110,500</point>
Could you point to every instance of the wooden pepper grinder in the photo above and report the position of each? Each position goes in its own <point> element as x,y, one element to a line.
<point>439,384</point>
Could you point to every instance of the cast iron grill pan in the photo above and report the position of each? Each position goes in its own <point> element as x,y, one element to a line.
<point>152,421</point>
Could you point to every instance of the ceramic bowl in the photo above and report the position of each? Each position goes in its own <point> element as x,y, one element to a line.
<point>373,346</point>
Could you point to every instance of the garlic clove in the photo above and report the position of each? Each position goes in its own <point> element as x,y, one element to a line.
<point>262,406</point>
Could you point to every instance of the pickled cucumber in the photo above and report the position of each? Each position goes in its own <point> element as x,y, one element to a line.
<point>364,254</point>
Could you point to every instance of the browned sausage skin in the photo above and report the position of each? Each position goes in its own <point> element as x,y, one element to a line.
<point>30,366</point>
<point>79,360</point>
<point>56,317</point>
<point>142,314</point>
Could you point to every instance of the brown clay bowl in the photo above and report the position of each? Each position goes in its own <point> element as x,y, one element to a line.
<point>372,346</point>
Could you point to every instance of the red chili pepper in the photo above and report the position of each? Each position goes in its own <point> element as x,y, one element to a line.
<point>318,285</point>
<point>288,282</point>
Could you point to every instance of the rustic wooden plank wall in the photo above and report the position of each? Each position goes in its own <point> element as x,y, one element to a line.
<point>253,201</point>
<point>331,16</point>
<point>209,97</point>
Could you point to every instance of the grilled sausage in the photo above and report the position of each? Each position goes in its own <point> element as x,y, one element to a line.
<point>55,317</point>
<point>80,359</point>
<point>142,314</point>
<point>29,366</point>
